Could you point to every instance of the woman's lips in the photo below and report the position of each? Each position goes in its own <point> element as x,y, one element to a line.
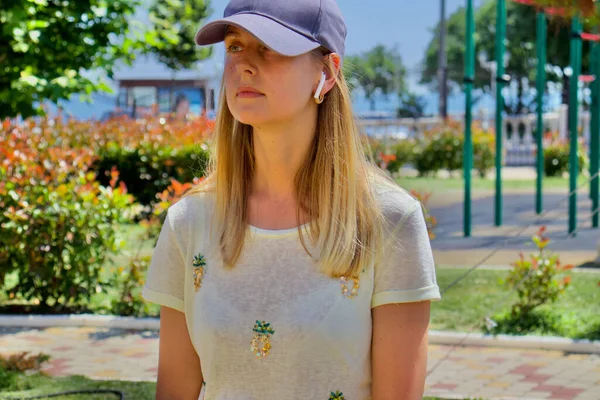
<point>248,93</point>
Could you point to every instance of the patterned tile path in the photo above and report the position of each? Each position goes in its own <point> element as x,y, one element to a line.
<point>488,373</point>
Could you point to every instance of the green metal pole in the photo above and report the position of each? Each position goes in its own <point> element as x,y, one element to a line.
<point>575,51</point>
<point>468,144</point>
<point>500,36</point>
<point>595,129</point>
<point>541,87</point>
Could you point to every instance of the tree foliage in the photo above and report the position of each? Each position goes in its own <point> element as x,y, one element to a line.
<point>51,49</point>
<point>520,47</point>
<point>378,69</point>
<point>180,19</point>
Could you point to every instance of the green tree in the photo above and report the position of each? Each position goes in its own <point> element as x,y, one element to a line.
<point>380,69</point>
<point>520,46</point>
<point>412,106</point>
<point>180,19</point>
<point>50,50</point>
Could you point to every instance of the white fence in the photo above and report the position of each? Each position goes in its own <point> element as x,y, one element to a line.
<point>518,132</point>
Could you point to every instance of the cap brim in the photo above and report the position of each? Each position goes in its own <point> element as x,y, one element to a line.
<point>274,35</point>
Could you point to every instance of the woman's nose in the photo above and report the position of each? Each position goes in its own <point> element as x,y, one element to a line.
<point>245,65</point>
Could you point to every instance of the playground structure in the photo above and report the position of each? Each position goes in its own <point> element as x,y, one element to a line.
<point>576,38</point>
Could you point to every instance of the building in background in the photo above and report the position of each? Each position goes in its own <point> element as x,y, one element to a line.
<point>149,88</point>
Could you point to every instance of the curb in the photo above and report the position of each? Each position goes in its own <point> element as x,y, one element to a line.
<point>435,337</point>
<point>506,267</point>
<point>82,320</point>
<point>519,342</point>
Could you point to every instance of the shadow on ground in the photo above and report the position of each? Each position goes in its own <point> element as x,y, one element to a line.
<point>519,223</point>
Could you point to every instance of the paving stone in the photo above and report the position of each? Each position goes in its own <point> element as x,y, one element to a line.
<point>590,394</point>
<point>537,395</point>
<point>488,373</point>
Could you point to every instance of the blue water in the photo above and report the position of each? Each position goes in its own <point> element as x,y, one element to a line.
<point>103,103</point>
<point>486,103</point>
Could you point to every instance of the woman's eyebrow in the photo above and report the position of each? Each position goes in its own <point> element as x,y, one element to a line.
<point>232,34</point>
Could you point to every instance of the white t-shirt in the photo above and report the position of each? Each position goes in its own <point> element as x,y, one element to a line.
<point>274,327</point>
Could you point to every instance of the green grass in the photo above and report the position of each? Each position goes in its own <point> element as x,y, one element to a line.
<point>17,385</point>
<point>479,295</point>
<point>436,184</point>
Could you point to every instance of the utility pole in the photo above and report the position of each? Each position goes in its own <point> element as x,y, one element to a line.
<point>442,67</point>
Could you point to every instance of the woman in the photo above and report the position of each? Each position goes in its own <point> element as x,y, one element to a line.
<point>297,269</point>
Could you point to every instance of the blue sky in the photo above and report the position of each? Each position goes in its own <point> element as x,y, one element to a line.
<point>406,23</point>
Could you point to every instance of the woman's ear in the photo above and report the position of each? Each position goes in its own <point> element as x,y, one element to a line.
<point>332,63</point>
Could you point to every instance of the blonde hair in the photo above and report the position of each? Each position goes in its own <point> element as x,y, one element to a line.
<point>333,186</point>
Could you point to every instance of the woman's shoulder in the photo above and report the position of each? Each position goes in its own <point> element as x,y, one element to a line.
<point>191,207</point>
<point>394,201</point>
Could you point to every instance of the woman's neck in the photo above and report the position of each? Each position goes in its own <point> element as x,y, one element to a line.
<point>279,151</point>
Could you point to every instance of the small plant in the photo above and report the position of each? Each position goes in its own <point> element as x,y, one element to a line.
<point>23,362</point>
<point>537,280</point>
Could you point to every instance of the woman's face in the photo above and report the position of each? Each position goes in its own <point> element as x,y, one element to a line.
<point>264,87</point>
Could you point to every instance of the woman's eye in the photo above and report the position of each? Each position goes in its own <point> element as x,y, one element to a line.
<point>233,48</point>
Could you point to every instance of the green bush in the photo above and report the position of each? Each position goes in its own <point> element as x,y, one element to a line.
<point>483,154</point>
<point>445,152</point>
<point>556,160</point>
<point>442,152</point>
<point>58,237</point>
<point>148,170</point>
<point>405,151</point>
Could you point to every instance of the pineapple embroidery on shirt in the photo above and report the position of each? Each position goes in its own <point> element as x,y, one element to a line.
<point>199,263</point>
<point>261,342</point>
<point>337,396</point>
<point>346,292</point>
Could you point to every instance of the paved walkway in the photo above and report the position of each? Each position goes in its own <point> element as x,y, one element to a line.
<point>488,373</point>
<point>452,248</point>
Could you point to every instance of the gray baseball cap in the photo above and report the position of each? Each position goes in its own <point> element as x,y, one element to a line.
<point>289,27</point>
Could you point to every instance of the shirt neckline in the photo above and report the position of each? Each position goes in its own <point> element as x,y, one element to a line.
<point>276,232</point>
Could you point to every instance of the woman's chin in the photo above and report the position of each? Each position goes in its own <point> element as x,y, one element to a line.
<point>250,118</point>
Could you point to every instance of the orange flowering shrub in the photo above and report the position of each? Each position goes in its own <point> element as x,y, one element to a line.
<point>57,222</point>
<point>148,153</point>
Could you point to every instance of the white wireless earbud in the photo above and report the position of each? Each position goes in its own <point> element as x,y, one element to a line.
<point>320,87</point>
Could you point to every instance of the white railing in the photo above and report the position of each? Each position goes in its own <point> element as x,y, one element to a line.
<point>518,131</point>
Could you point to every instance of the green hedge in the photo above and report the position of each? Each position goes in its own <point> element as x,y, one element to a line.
<point>443,152</point>
<point>147,171</point>
<point>57,238</point>
<point>556,160</point>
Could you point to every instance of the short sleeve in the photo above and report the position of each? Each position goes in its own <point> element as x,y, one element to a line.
<point>406,271</point>
<point>166,274</point>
